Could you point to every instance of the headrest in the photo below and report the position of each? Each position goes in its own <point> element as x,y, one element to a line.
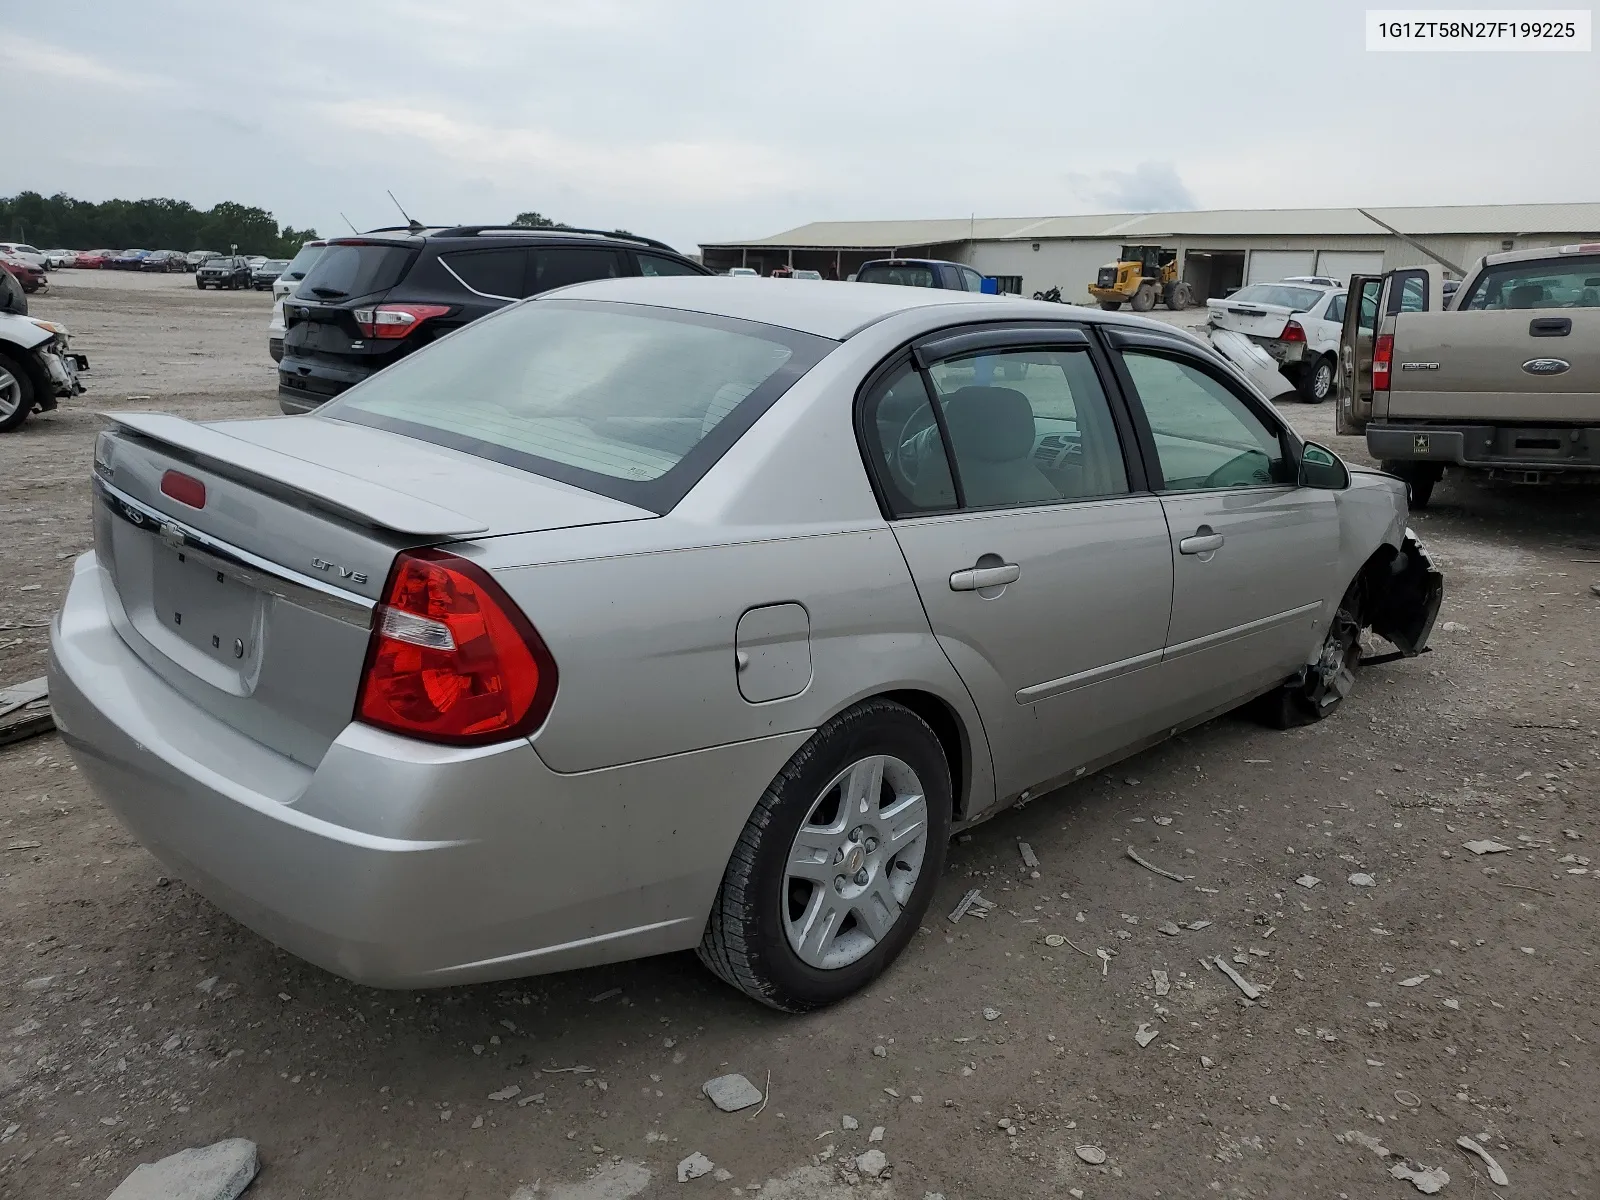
<point>992,424</point>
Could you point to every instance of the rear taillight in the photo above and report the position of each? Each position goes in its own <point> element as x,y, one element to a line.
<point>185,489</point>
<point>1382,357</point>
<point>396,320</point>
<point>452,659</point>
<point>1294,332</point>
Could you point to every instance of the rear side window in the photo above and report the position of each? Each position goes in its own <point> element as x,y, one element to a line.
<point>904,274</point>
<point>356,270</point>
<point>630,401</point>
<point>650,264</point>
<point>560,265</point>
<point>1565,283</point>
<point>496,273</point>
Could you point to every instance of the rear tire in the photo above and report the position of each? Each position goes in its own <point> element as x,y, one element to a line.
<point>1177,296</point>
<point>1144,299</point>
<point>1318,380</point>
<point>766,903</point>
<point>16,393</point>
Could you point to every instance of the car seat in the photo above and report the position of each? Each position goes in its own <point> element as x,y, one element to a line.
<point>992,432</point>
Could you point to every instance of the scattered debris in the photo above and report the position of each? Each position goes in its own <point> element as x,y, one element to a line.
<point>1162,820</point>
<point>1365,1139</point>
<point>22,846</point>
<point>1029,858</point>
<point>1414,980</point>
<point>1485,846</point>
<point>991,1014</point>
<point>1196,926</point>
<point>876,1135</point>
<point>567,1070</point>
<point>694,1166</point>
<point>873,1163</point>
<point>879,1052</point>
<point>608,994</point>
<point>974,903</point>
<point>1362,879</point>
<point>1409,1099</point>
<point>1092,1155</point>
<point>25,710</point>
<point>1454,1004</point>
<point>1497,1174</point>
<point>1308,881</point>
<point>1150,866</point>
<point>1144,1035</point>
<point>765,1097</point>
<point>216,1172</point>
<point>1105,960</point>
<point>849,1122</point>
<point>1206,1062</point>
<point>1163,984</point>
<point>1427,1181</point>
<point>1249,989</point>
<point>506,1093</point>
<point>1054,939</point>
<point>1170,928</point>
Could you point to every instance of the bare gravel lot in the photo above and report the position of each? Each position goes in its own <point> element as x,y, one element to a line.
<point>1456,995</point>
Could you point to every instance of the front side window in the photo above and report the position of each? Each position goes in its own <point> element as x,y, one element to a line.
<point>651,264</point>
<point>1027,427</point>
<point>1569,283</point>
<point>1205,435</point>
<point>629,401</point>
<point>973,281</point>
<point>559,266</point>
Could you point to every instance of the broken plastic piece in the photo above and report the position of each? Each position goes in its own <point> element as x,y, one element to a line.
<point>1485,846</point>
<point>1144,1035</point>
<point>1251,991</point>
<point>966,903</point>
<point>1029,858</point>
<point>1497,1173</point>
<point>1163,984</point>
<point>1149,866</point>
<point>1427,1181</point>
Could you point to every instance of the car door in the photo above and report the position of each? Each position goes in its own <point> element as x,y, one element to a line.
<point>1357,331</point>
<point>1254,555</point>
<point>1042,561</point>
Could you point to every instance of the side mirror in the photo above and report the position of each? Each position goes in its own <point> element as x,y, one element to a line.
<point>1322,468</point>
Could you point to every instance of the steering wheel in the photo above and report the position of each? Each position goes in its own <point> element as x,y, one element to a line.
<point>908,456</point>
<point>1229,473</point>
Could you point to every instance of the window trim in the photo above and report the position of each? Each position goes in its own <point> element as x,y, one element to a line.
<point>1000,337</point>
<point>1396,289</point>
<point>1170,348</point>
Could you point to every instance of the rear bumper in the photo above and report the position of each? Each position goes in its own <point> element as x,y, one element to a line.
<point>1519,448</point>
<point>308,383</point>
<point>394,863</point>
<point>275,348</point>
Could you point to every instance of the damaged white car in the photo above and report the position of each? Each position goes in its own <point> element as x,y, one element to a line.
<point>1284,335</point>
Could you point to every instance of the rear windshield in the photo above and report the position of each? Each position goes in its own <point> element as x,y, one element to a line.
<point>629,401</point>
<point>1567,283</point>
<point>906,275</point>
<point>356,270</point>
<point>1298,299</point>
<point>303,261</point>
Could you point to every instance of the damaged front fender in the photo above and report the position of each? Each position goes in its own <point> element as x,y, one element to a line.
<point>1403,597</point>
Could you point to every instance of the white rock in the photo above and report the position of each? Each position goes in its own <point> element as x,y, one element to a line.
<point>991,1014</point>
<point>694,1166</point>
<point>217,1172</point>
<point>879,1052</point>
<point>39,984</point>
<point>876,1135</point>
<point>1308,881</point>
<point>722,1174</point>
<point>1092,1155</point>
<point>1144,1035</point>
<point>1163,984</point>
<point>506,1093</point>
<point>1170,928</point>
<point>873,1163</point>
<point>1362,879</point>
<point>1454,627</point>
<point>731,1093</point>
<point>1206,1062</point>
<point>1427,1181</point>
<point>849,1122</point>
<point>1414,980</point>
<point>1485,846</point>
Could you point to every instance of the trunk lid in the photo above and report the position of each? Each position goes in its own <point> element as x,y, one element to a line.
<point>1252,320</point>
<point>1506,366</point>
<point>257,603</point>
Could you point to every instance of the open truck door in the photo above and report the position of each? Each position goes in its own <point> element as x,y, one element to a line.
<point>1355,353</point>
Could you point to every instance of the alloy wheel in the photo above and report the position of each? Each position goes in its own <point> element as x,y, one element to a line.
<point>854,862</point>
<point>10,393</point>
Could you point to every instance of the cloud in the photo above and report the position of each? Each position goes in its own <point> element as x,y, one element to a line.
<point>44,61</point>
<point>670,171</point>
<point>1149,187</point>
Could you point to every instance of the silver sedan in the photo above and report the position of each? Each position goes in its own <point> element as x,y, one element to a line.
<point>657,614</point>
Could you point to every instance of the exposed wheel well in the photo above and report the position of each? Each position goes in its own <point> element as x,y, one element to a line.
<point>952,735</point>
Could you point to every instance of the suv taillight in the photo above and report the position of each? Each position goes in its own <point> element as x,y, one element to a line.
<point>395,320</point>
<point>1382,357</point>
<point>452,658</point>
<point>1294,332</point>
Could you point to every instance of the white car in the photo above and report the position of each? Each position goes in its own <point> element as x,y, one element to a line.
<point>1296,321</point>
<point>282,286</point>
<point>28,254</point>
<point>747,272</point>
<point>58,259</point>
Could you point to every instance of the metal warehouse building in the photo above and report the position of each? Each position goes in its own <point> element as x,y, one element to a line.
<point>1218,251</point>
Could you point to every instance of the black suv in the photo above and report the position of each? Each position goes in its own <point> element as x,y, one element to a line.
<point>372,299</point>
<point>223,271</point>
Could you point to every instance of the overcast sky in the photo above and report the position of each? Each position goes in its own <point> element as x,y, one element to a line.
<point>713,120</point>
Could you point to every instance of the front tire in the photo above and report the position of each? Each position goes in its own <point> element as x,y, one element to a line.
<point>837,864</point>
<point>1111,305</point>
<point>1317,381</point>
<point>1144,299</point>
<point>1328,682</point>
<point>16,393</point>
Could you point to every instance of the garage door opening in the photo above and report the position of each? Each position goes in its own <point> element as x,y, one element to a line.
<point>1213,274</point>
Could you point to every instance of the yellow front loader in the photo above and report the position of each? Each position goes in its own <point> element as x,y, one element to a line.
<point>1143,275</point>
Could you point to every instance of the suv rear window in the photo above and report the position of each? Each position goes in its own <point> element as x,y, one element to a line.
<point>303,262</point>
<point>1538,283</point>
<point>358,269</point>
<point>633,402</point>
<point>905,274</point>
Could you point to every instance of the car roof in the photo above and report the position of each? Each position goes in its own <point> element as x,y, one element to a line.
<point>929,262</point>
<point>829,308</point>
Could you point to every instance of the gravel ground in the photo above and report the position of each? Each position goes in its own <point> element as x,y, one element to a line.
<point>1452,997</point>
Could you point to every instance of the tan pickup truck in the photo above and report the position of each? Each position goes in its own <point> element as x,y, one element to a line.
<point>1505,380</point>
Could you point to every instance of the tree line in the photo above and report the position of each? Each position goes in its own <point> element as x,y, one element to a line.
<point>157,224</point>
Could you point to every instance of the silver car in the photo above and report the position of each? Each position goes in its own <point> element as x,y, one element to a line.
<point>670,613</point>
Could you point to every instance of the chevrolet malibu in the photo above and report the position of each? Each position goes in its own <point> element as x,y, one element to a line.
<point>653,614</point>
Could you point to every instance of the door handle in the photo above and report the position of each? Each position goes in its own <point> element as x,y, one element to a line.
<point>1203,541</point>
<point>1550,327</point>
<point>976,579</point>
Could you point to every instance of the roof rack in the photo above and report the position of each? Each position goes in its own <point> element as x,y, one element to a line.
<point>475,230</point>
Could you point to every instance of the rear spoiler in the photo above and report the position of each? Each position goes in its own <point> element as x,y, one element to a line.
<point>273,471</point>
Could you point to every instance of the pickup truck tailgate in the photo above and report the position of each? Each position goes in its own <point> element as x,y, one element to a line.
<point>1516,365</point>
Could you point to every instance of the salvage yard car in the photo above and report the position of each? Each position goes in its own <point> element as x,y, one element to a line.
<point>222,271</point>
<point>1505,382</point>
<point>1296,321</point>
<point>658,614</point>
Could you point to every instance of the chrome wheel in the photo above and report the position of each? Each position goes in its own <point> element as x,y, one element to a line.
<point>855,861</point>
<point>10,394</point>
<point>1322,381</point>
